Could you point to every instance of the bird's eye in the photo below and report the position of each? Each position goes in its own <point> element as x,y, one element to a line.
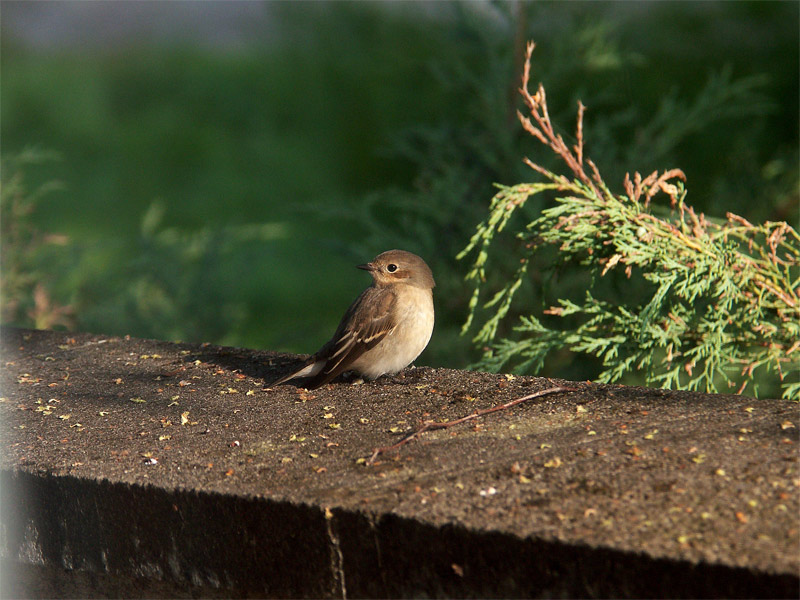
<point>391,268</point>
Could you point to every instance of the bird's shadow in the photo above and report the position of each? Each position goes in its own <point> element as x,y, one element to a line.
<point>259,364</point>
<point>266,366</point>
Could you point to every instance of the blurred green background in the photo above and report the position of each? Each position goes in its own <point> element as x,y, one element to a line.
<point>213,171</point>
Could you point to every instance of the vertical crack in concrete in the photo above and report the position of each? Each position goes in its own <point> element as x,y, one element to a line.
<point>337,559</point>
<point>373,526</point>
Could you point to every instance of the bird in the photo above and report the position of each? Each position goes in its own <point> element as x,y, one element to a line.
<point>384,330</point>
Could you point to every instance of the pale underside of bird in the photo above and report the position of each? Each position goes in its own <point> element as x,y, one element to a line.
<point>384,330</point>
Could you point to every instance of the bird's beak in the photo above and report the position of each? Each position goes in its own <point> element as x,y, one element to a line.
<point>366,267</point>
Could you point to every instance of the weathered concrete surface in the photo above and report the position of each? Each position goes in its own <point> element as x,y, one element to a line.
<point>605,491</point>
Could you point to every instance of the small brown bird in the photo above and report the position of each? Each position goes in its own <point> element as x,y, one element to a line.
<point>384,330</point>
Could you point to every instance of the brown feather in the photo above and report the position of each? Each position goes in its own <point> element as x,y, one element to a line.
<point>366,322</point>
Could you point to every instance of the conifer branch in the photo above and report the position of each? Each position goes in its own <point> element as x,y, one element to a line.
<point>724,303</point>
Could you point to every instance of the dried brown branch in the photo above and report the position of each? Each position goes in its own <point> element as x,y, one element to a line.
<point>544,131</point>
<point>579,133</point>
<point>432,425</point>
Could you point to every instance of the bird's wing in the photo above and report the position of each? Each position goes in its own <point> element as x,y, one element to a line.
<point>368,320</point>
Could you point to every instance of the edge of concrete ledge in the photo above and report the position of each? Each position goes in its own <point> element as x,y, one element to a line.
<point>82,537</point>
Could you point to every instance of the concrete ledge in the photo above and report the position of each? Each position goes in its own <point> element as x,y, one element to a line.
<point>141,468</point>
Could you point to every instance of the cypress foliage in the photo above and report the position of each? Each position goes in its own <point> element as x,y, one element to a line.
<point>723,311</point>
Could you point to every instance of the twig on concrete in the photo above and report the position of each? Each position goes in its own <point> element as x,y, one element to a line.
<point>432,425</point>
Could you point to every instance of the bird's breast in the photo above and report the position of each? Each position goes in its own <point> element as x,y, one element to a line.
<point>414,318</point>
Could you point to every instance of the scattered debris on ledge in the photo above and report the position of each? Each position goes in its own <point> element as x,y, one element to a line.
<point>593,491</point>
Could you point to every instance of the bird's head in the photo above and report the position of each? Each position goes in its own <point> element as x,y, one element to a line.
<point>399,266</point>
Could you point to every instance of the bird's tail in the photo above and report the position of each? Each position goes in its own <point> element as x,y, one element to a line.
<point>310,368</point>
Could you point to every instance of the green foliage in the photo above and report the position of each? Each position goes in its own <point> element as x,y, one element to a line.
<point>343,129</point>
<point>25,250</point>
<point>478,142</point>
<point>721,302</point>
<point>176,285</point>
<point>179,284</point>
<point>233,146</point>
